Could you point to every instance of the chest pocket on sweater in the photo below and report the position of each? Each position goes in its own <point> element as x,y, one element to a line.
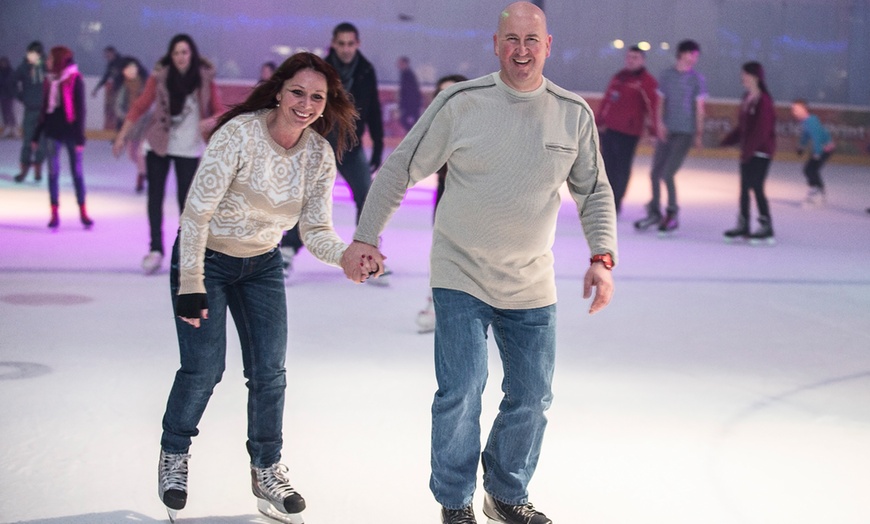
<point>559,148</point>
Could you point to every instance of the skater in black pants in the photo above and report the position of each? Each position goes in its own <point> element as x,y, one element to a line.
<point>756,135</point>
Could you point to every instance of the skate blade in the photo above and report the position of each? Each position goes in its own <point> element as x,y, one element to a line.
<point>266,508</point>
<point>734,240</point>
<point>173,514</point>
<point>765,242</point>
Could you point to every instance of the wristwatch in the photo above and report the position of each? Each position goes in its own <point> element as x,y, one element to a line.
<point>605,259</point>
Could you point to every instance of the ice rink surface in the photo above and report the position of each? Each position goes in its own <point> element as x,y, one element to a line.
<point>725,384</point>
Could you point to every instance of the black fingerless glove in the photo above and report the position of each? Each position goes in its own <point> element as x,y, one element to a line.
<point>191,305</point>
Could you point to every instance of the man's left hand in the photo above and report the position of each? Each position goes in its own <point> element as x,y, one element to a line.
<point>601,279</point>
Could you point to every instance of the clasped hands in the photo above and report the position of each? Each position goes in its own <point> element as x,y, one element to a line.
<point>362,261</point>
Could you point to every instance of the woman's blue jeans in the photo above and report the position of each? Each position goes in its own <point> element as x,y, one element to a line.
<point>252,289</point>
<point>526,339</point>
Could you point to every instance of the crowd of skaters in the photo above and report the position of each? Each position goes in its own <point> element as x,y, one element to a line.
<point>171,117</point>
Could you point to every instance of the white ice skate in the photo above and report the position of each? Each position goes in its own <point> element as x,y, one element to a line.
<point>426,318</point>
<point>276,498</point>
<point>172,482</point>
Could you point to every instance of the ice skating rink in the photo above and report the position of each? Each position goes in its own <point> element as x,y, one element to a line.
<point>725,384</point>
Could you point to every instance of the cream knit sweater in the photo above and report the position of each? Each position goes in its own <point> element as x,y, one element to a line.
<point>248,190</point>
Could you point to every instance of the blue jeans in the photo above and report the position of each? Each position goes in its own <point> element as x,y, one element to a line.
<point>75,166</point>
<point>253,291</point>
<point>526,339</point>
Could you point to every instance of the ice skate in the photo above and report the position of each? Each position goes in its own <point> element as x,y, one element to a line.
<point>426,318</point>
<point>172,482</point>
<point>669,223</point>
<point>815,198</point>
<point>740,232</point>
<point>381,281</point>
<point>653,217</point>
<point>458,516</point>
<point>764,234</point>
<point>276,498</point>
<point>500,513</point>
<point>152,262</point>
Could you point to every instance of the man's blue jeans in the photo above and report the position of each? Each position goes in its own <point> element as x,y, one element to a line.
<point>526,340</point>
<point>253,291</point>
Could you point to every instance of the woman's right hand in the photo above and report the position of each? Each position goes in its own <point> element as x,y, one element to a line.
<point>192,308</point>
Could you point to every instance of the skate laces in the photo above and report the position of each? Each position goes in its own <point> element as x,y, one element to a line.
<point>274,482</point>
<point>173,471</point>
<point>460,516</point>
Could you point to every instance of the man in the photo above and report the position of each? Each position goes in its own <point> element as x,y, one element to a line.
<point>409,94</point>
<point>359,79</point>
<point>510,140</point>
<point>682,92</point>
<point>111,80</point>
<point>630,102</point>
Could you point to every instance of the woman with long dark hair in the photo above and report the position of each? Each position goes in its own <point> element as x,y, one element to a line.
<point>267,166</point>
<point>756,134</point>
<point>187,103</point>
<point>62,120</point>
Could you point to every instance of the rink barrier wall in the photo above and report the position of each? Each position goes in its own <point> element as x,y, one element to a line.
<point>849,125</point>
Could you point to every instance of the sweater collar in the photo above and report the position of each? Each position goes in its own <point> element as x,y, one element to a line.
<point>519,94</point>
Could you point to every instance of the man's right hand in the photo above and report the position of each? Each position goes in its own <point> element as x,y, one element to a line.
<point>361,261</point>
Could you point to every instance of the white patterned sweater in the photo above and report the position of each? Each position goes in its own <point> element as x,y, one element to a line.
<point>248,190</point>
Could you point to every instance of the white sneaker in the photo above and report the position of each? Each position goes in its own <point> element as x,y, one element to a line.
<point>152,262</point>
<point>288,253</point>
<point>426,318</point>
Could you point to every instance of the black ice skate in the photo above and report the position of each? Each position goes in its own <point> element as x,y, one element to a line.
<point>172,482</point>
<point>276,498</point>
<point>458,516</point>
<point>501,513</point>
<point>740,232</point>
<point>653,217</point>
<point>669,224</point>
<point>764,234</point>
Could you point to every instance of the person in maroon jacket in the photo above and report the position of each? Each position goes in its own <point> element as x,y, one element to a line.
<point>630,103</point>
<point>756,135</point>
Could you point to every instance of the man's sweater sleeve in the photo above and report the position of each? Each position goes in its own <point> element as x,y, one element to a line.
<point>591,190</point>
<point>422,152</point>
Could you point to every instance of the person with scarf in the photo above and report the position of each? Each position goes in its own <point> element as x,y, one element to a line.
<point>133,76</point>
<point>756,135</point>
<point>29,81</point>
<point>184,100</point>
<point>62,121</point>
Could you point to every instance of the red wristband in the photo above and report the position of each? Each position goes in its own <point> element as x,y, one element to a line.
<point>605,259</point>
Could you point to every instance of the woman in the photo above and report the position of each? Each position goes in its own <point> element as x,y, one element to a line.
<point>30,84</point>
<point>267,167</point>
<point>755,132</point>
<point>133,77</point>
<point>62,120</point>
<point>182,84</point>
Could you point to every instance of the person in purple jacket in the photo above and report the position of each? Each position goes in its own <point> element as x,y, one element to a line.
<point>756,135</point>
